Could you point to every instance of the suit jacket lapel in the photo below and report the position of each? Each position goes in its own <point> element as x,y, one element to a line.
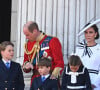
<point>12,67</point>
<point>2,65</point>
<point>4,70</point>
<point>39,80</point>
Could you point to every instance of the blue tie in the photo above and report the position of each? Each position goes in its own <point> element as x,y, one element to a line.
<point>8,65</point>
<point>43,79</point>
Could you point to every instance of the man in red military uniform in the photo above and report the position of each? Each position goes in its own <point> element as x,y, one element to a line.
<point>39,45</point>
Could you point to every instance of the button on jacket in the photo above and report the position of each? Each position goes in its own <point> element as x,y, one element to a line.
<point>12,78</point>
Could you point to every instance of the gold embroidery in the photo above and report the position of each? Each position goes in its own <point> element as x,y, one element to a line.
<point>35,48</point>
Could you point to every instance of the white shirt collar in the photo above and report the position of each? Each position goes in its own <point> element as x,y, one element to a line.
<point>46,76</point>
<point>6,61</point>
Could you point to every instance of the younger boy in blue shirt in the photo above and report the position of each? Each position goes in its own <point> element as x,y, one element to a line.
<point>43,82</point>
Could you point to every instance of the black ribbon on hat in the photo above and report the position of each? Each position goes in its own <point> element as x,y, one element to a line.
<point>87,50</point>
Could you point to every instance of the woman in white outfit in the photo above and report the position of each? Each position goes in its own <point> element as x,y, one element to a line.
<point>89,52</point>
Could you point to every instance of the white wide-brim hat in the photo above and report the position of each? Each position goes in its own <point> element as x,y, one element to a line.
<point>88,26</point>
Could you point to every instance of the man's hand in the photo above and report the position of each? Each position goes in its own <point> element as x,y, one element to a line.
<point>28,65</point>
<point>53,77</point>
<point>55,73</point>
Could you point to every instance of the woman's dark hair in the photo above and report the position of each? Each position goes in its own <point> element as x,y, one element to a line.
<point>95,28</point>
<point>74,60</point>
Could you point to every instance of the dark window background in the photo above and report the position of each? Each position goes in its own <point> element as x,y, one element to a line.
<point>5,20</point>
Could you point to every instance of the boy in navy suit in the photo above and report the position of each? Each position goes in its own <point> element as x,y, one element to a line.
<point>11,76</point>
<point>43,82</point>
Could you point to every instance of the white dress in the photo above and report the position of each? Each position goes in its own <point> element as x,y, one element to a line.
<point>90,57</point>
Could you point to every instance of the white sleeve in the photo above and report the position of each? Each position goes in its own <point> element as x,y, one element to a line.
<point>97,80</point>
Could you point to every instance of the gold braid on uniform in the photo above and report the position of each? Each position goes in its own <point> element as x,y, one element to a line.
<point>35,49</point>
